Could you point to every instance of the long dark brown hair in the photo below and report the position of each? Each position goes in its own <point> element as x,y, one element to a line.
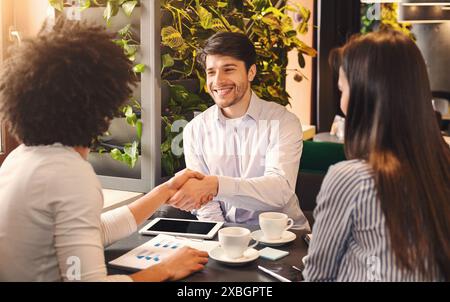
<point>391,124</point>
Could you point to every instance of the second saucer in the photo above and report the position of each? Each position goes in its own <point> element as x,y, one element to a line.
<point>286,237</point>
<point>218,254</point>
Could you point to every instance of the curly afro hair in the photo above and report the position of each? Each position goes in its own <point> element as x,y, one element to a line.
<point>65,85</point>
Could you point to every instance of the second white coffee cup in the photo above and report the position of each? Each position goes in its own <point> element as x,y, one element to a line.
<point>273,224</point>
<point>235,241</point>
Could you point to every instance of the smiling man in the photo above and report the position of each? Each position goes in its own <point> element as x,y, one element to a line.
<point>249,148</point>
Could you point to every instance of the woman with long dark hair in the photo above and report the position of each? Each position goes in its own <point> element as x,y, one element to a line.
<point>384,214</point>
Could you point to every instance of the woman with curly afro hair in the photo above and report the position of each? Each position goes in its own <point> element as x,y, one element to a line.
<point>58,92</point>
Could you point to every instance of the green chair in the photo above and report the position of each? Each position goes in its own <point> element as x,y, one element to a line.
<point>317,157</point>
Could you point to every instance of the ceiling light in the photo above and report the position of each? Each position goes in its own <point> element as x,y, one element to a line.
<point>421,11</point>
<point>424,2</point>
<point>380,1</point>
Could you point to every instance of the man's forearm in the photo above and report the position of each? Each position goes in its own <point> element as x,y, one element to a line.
<point>262,193</point>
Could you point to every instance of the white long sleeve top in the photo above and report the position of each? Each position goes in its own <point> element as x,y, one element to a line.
<point>51,222</point>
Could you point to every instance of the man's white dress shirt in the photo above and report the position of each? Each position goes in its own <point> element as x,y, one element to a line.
<point>256,158</point>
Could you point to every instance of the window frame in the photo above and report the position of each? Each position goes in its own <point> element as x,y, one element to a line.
<point>7,141</point>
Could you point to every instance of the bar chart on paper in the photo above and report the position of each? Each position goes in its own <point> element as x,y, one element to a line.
<point>156,250</point>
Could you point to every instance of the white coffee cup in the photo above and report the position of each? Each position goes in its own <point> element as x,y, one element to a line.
<point>273,224</point>
<point>235,241</point>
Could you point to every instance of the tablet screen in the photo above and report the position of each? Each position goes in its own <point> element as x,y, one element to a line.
<point>180,226</point>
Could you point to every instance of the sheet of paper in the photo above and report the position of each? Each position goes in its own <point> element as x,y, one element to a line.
<point>157,249</point>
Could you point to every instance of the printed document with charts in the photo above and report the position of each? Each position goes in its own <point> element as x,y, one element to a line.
<point>157,249</point>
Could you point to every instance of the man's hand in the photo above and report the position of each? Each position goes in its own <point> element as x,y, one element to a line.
<point>182,177</point>
<point>195,193</point>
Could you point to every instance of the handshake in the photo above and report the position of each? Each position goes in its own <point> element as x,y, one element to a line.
<point>190,190</point>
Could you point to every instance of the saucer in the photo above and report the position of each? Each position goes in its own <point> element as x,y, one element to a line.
<point>285,238</point>
<point>218,254</point>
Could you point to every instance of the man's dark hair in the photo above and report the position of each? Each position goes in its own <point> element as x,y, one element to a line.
<point>65,85</point>
<point>230,44</point>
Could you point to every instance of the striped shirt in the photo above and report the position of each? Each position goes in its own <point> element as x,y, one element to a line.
<point>350,237</point>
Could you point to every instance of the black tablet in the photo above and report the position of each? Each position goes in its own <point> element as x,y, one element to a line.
<point>182,227</point>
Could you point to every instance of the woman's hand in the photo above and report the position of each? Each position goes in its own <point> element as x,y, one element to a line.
<point>184,262</point>
<point>145,206</point>
<point>178,266</point>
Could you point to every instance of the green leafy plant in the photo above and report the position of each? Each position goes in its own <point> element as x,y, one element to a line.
<point>129,153</point>
<point>186,25</point>
<point>111,10</point>
<point>388,19</point>
<point>132,117</point>
<point>182,104</point>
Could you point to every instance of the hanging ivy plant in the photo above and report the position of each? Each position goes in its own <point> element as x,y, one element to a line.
<point>129,153</point>
<point>112,6</point>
